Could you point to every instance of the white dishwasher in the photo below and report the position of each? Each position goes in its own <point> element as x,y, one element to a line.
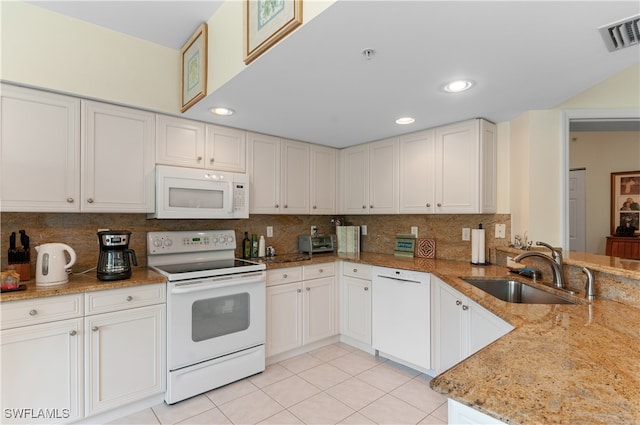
<point>401,318</point>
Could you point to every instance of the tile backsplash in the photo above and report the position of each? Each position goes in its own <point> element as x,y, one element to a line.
<point>80,231</point>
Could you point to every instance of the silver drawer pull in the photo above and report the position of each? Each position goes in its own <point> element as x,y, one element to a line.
<point>33,312</point>
<point>70,200</point>
<point>366,288</point>
<point>321,270</point>
<point>129,298</point>
<point>465,307</point>
<point>458,302</point>
<point>299,290</point>
<point>90,200</point>
<point>284,276</point>
<point>73,333</point>
<point>308,289</point>
<point>95,329</point>
<point>355,270</point>
<point>199,158</point>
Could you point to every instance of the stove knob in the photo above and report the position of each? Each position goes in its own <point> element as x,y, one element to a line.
<point>157,242</point>
<point>168,242</point>
<point>215,241</point>
<point>230,239</point>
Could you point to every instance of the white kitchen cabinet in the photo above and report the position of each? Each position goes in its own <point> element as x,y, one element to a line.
<point>355,302</point>
<point>323,177</point>
<point>460,327</point>
<point>465,168</point>
<point>458,413</point>
<point>369,178</point>
<point>300,312</point>
<point>279,173</point>
<point>188,143</point>
<point>41,355</point>
<point>125,347</point>
<point>40,151</point>
<point>118,159</point>
<point>449,170</point>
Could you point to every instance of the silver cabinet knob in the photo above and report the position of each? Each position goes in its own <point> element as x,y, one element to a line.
<point>199,158</point>
<point>366,288</point>
<point>284,276</point>
<point>465,307</point>
<point>458,302</point>
<point>439,204</point>
<point>73,333</point>
<point>364,207</point>
<point>314,207</point>
<point>212,160</point>
<point>286,206</point>
<point>355,270</point>
<point>321,270</point>
<point>299,290</point>
<point>33,312</point>
<point>90,200</point>
<point>70,200</point>
<point>308,289</point>
<point>428,205</point>
<point>370,206</point>
<point>129,298</point>
<point>95,329</point>
<point>277,206</point>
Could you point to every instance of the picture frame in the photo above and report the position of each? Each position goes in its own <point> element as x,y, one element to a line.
<point>266,22</point>
<point>625,203</point>
<point>193,72</point>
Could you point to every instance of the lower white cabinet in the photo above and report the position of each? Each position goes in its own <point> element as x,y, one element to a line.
<point>58,367</point>
<point>300,312</point>
<point>460,327</point>
<point>460,414</point>
<point>355,302</point>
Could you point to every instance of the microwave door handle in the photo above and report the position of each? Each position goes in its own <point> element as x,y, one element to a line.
<point>231,198</point>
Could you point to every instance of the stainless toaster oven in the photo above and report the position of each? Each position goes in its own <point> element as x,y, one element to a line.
<point>315,244</point>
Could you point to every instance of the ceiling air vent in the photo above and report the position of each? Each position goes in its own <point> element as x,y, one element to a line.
<point>621,34</point>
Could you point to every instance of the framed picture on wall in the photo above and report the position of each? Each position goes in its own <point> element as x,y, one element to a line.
<point>625,203</point>
<point>266,22</point>
<point>194,68</point>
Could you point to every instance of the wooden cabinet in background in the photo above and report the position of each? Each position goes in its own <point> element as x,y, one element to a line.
<point>623,247</point>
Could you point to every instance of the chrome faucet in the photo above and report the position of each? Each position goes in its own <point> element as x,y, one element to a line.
<point>558,278</point>
<point>590,287</point>
<point>556,253</point>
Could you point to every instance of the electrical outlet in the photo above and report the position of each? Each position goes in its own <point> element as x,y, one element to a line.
<point>314,230</point>
<point>269,231</point>
<point>363,230</point>
<point>414,231</point>
<point>466,234</point>
<point>501,230</point>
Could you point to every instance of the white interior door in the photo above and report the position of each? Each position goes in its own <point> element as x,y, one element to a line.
<point>577,211</point>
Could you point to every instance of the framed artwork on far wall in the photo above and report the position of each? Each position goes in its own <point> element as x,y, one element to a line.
<point>193,73</point>
<point>625,203</point>
<point>266,22</point>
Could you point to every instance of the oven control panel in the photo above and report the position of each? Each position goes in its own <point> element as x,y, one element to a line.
<point>190,241</point>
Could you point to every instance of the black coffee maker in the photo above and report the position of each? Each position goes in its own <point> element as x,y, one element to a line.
<point>113,261</point>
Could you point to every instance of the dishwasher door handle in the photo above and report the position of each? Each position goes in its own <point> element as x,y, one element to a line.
<point>399,279</point>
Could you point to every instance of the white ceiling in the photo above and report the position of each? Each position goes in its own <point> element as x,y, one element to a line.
<point>316,86</point>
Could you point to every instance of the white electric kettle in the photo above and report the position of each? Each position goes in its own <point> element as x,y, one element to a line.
<point>52,266</point>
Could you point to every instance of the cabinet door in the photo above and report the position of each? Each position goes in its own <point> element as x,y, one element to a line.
<point>294,163</point>
<point>355,319</point>
<point>42,369</point>
<point>319,309</point>
<point>354,179</point>
<point>125,359</point>
<point>417,173</point>
<point>118,160</point>
<point>264,172</point>
<point>484,327</point>
<point>40,151</point>
<point>179,141</point>
<point>226,149</point>
<point>323,180</point>
<point>383,177</point>
<point>449,326</point>
<point>284,318</point>
<point>457,168</point>
<point>489,167</point>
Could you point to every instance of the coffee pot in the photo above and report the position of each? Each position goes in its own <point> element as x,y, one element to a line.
<point>113,260</point>
<point>51,266</point>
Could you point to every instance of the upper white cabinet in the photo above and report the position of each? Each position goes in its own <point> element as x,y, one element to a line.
<point>369,177</point>
<point>323,180</point>
<point>60,154</point>
<point>118,159</point>
<point>286,174</point>
<point>449,170</point>
<point>188,143</point>
<point>40,151</point>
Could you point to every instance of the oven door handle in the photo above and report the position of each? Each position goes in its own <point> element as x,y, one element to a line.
<point>223,282</point>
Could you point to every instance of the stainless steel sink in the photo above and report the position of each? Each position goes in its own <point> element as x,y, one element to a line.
<point>514,291</point>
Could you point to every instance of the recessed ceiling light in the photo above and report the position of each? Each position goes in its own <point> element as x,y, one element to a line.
<point>405,120</point>
<point>458,86</point>
<point>219,110</point>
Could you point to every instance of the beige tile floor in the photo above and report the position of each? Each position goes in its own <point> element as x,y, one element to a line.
<point>336,384</point>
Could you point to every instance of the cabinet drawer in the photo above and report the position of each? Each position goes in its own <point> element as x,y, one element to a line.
<point>124,298</point>
<point>357,270</point>
<point>314,271</point>
<point>40,310</point>
<point>286,275</point>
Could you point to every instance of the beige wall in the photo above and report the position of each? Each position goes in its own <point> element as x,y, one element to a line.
<point>602,153</point>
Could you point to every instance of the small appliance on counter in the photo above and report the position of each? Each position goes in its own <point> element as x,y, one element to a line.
<point>316,244</point>
<point>52,267</point>
<point>18,259</point>
<point>113,261</point>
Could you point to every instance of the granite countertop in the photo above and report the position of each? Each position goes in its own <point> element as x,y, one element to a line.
<point>79,283</point>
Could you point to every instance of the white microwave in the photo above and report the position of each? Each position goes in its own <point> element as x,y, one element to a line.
<point>198,193</point>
